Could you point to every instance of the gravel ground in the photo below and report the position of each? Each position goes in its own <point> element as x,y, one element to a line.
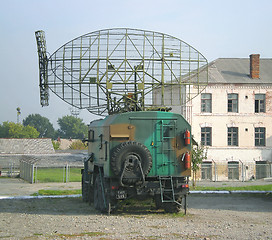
<point>242,217</point>
<point>210,216</point>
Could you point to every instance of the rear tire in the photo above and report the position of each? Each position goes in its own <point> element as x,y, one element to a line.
<point>158,201</point>
<point>172,207</point>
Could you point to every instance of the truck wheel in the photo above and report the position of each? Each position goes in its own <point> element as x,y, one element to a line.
<point>90,192</point>
<point>132,152</point>
<point>158,201</point>
<point>84,187</point>
<point>172,207</point>
<point>98,198</point>
<point>101,199</point>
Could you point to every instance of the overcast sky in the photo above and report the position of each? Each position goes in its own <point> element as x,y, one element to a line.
<point>216,28</point>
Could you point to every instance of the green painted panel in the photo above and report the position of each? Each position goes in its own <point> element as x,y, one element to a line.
<point>161,132</point>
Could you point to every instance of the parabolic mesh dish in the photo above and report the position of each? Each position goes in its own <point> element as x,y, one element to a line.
<point>117,70</point>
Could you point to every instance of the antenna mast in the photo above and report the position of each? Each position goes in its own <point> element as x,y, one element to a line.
<point>41,45</point>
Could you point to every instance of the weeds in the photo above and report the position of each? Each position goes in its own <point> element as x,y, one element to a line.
<point>57,192</point>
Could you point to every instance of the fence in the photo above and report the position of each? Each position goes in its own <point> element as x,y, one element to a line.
<point>27,167</point>
<point>66,168</point>
<point>234,170</point>
<point>10,169</point>
<point>65,173</point>
<point>33,172</point>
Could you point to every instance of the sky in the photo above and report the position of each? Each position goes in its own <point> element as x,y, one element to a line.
<point>216,28</point>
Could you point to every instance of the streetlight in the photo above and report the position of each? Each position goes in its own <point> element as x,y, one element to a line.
<point>18,113</point>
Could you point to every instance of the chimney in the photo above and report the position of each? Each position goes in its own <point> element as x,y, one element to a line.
<point>254,65</point>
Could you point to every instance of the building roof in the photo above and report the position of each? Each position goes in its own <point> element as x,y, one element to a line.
<point>237,70</point>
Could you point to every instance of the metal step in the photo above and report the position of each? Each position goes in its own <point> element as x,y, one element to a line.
<point>169,190</point>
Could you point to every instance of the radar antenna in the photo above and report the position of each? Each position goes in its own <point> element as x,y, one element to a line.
<point>41,45</point>
<point>121,69</point>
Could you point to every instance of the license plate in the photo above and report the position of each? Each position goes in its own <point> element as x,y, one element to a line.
<point>121,194</point>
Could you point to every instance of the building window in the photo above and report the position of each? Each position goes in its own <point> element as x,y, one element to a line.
<point>260,136</point>
<point>206,102</point>
<point>206,136</point>
<point>232,102</point>
<point>232,136</point>
<point>259,103</point>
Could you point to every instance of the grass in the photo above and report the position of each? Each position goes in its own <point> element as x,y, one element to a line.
<point>245,188</point>
<point>57,175</point>
<point>57,192</point>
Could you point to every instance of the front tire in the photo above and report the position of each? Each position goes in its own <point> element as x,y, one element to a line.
<point>102,201</point>
<point>98,198</point>
<point>84,187</point>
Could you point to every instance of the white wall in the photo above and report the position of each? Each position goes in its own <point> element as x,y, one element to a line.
<point>246,120</point>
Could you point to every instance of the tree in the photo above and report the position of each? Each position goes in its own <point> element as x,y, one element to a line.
<point>199,153</point>
<point>17,130</point>
<point>42,124</point>
<point>72,127</point>
<point>4,130</point>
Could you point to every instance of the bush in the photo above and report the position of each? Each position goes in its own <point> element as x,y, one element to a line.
<point>78,145</point>
<point>56,144</point>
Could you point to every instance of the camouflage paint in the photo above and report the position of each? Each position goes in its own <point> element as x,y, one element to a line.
<point>161,132</point>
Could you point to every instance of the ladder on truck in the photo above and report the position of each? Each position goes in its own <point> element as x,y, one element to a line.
<point>168,132</point>
<point>167,191</point>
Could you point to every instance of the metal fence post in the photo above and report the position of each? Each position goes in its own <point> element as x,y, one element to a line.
<point>63,176</point>
<point>67,173</point>
<point>32,173</point>
<point>36,174</point>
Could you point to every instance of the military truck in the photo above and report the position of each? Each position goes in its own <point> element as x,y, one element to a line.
<point>138,155</point>
<point>124,73</point>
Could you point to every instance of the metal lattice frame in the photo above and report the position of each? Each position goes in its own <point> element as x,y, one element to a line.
<point>41,45</point>
<point>117,70</point>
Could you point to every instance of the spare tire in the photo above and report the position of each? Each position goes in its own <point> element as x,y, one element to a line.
<point>134,153</point>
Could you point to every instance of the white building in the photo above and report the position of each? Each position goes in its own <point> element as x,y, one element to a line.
<point>233,118</point>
